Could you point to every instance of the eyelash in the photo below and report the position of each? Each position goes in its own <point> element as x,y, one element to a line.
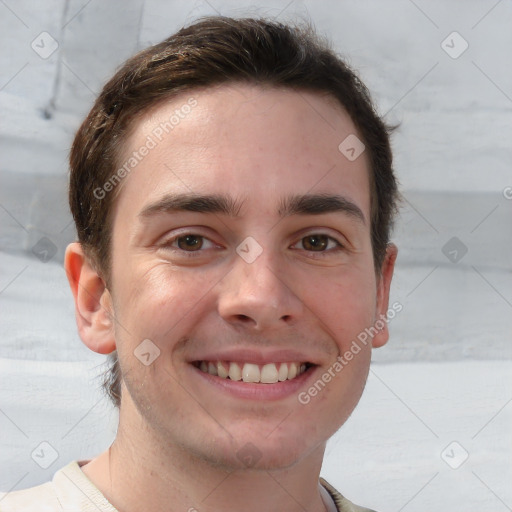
<point>194,254</point>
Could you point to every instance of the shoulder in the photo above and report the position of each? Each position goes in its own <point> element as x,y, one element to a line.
<point>69,491</point>
<point>41,498</point>
<point>341,502</point>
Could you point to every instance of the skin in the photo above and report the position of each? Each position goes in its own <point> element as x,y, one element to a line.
<point>179,437</point>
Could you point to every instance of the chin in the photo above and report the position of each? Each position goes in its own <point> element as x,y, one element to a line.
<point>249,458</point>
<point>258,454</point>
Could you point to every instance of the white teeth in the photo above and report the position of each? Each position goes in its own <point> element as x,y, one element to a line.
<point>235,373</point>
<point>251,373</point>
<point>221,371</point>
<point>269,374</point>
<point>292,371</point>
<point>283,372</point>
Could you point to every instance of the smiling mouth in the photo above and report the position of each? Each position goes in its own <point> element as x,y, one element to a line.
<point>255,373</point>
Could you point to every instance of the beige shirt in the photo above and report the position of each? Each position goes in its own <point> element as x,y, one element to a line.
<point>71,491</point>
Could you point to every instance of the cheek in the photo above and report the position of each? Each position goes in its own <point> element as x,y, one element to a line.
<point>157,298</point>
<point>345,304</point>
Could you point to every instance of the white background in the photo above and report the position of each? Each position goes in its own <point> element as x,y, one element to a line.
<point>446,373</point>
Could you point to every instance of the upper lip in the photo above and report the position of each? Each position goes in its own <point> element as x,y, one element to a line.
<point>256,356</point>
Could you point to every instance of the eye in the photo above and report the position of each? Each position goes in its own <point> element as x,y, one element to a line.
<point>318,242</point>
<point>190,242</point>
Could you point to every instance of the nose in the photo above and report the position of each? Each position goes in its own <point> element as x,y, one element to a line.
<point>258,296</point>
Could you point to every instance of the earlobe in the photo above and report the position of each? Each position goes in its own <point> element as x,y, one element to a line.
<point>93,302</point>
<point>383,288</point>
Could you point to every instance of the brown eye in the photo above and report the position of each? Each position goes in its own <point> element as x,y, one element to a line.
<point>190,242</point>
<point>315,242</point>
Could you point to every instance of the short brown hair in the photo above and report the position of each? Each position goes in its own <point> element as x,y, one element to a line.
<point>212,51</point>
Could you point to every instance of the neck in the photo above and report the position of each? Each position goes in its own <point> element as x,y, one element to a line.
<point>167,479</point>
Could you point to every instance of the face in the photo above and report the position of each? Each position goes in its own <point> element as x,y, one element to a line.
<point>241,247</point>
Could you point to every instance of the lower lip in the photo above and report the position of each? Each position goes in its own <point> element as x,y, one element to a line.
<point>257,391</point>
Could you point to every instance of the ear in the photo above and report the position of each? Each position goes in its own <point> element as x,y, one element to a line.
<point>383,286</point>
<point>93,302</point>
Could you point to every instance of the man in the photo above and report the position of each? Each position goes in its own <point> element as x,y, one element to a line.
<point>233,195</point>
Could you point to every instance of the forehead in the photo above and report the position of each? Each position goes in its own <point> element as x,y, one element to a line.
<point>245,141</point>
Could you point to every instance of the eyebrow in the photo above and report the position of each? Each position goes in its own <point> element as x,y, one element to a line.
<point>307,204</point>
<point>193,203</point>
<point>317,204</point>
